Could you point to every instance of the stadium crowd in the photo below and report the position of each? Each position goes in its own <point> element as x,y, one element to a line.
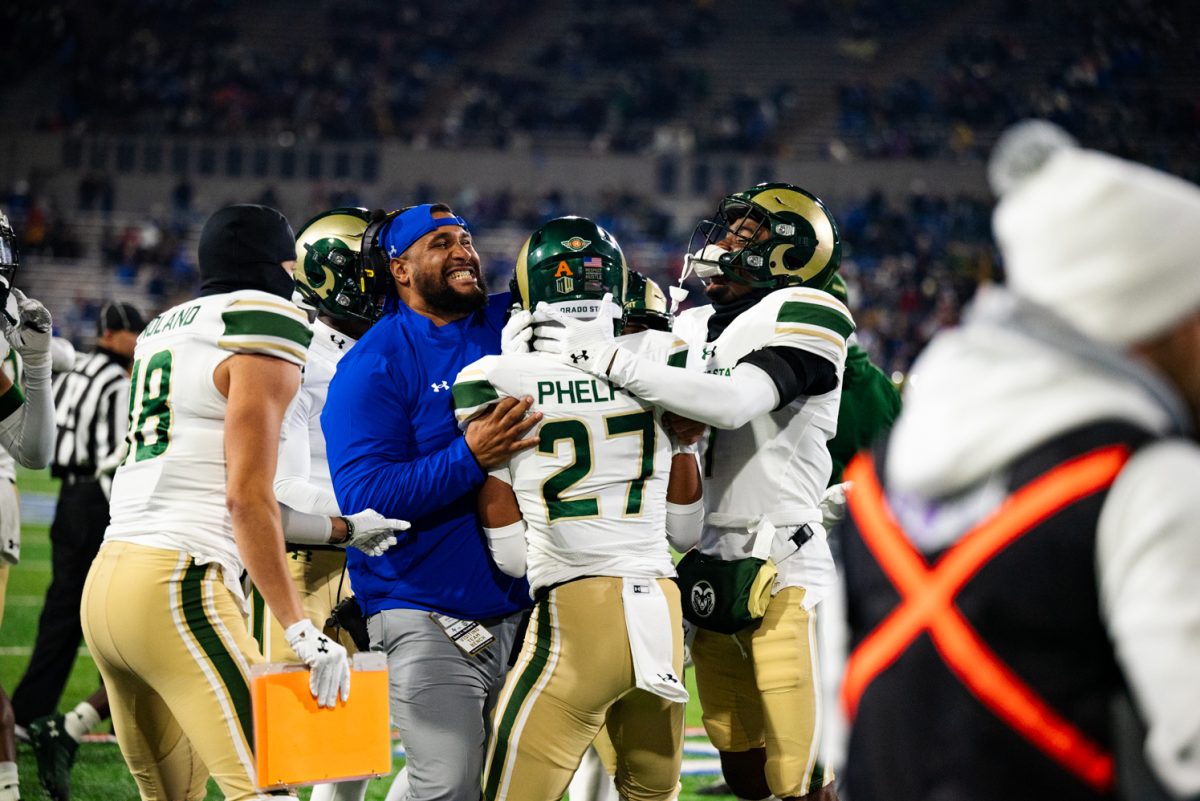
<point>1107,76</point>
<point>615,77</point>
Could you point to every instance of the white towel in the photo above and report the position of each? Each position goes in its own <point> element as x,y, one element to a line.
<point>651,640</point>
<point>10,546</point>
<point>10,524</point>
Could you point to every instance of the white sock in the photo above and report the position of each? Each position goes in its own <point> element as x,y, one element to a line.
<point>591,781</point>
<point>80,720</point>
<point>354,790</point>
<point>399,789</point>
<point>10,788</point>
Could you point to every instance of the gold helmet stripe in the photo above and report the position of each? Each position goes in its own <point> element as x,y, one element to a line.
<point>522,273</point>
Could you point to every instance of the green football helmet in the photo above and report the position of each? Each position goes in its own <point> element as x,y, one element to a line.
<point>328,272</point>
<point>785,237</point>
<point>568,260</point>
<point>645,304</point>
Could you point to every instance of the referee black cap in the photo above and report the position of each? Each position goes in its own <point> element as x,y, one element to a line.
<point>117,315</point>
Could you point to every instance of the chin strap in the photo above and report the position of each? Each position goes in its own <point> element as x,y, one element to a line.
<point>678,294</point>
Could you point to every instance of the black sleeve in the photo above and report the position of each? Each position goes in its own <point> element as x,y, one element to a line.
<point>795,372</point>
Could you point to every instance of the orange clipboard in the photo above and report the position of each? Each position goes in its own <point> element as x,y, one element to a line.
<point>296,742</point>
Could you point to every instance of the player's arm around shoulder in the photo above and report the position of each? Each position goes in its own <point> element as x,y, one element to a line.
<point>473,392</point>
<point>493,422</point>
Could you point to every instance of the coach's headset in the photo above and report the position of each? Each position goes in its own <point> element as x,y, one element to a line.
<point>375,259</point>
<point>376,278</point>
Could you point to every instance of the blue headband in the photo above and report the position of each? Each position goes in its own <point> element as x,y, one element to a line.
<point>410,225</point>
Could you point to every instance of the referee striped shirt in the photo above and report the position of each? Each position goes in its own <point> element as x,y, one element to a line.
<point>91,407</point>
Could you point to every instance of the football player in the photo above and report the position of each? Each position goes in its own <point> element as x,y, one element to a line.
<point>769,355</point>
<point>645,310</point>
<point>26,435</point>
<point>192,506</point>
<point>587,514</point>
<point>328,280</point>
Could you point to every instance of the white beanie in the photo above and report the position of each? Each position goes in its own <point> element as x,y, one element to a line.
<point>1111,246</point>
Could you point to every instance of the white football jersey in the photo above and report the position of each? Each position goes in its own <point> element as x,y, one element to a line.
<point>593,492</point>
<point>170,490</point>
<point>777,464</point>
<point>302,480</point>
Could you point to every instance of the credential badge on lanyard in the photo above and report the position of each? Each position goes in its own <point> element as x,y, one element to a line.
<point>466,634</point>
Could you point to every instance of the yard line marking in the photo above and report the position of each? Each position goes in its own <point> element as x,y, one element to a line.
<point>26,650</point>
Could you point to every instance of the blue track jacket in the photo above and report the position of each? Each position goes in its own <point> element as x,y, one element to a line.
<point>394,447</point>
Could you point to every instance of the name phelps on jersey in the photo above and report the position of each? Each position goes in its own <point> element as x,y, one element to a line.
<point>578,391</point>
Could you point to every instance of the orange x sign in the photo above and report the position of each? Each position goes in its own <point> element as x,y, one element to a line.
<point>927,603</point>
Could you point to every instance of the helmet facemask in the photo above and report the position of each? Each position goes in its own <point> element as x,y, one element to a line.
<point>771,236</point>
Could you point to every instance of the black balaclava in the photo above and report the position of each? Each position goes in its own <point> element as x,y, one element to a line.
<point>241,247</point>
<point>725,313</point>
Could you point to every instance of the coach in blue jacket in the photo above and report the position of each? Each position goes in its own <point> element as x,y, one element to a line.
<point>393,446</point>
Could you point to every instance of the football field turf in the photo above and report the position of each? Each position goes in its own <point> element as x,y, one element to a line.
<point>100,773</point>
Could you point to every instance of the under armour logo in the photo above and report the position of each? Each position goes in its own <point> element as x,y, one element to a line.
<point>581,356</point>
<point>708,352</point>
<point>321,646</point>
<point>669,677</point>
<point>339,341</point>
<point>439,386</point>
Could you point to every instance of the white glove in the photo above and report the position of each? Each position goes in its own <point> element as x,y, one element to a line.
<point>30,335</point>
<point>371,532</point>
<point>833,504</point>
<point>588,345</point>
<point>329,668</point>
<point>62,355</point>
<point>517,332</point>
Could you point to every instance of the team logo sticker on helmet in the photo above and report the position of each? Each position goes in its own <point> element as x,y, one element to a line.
<point>576,243</point>
<point>704,599</point>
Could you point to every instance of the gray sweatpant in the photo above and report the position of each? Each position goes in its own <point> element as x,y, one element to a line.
<point>440,699</point>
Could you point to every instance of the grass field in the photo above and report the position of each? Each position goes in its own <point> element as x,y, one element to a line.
<point>100,773</point>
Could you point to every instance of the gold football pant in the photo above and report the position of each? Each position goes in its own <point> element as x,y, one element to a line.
<point>317,576</point>
<point>575,674</point>
<point>758,689</point>
<point>170,641</point>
